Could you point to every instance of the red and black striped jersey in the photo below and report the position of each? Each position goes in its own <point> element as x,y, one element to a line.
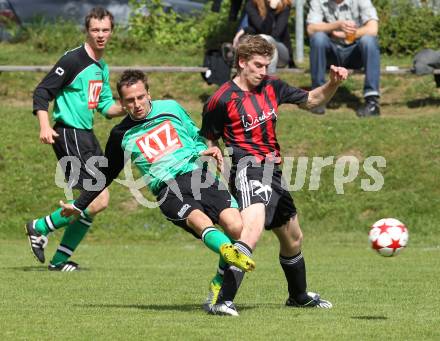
<point>246,120</point>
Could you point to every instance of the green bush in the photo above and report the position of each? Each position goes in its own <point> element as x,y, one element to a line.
<point>52,36</point>
<point>405,29</point>
<point>172,30</point>
<point>160,29</point>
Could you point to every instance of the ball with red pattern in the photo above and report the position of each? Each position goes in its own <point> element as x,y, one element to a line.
<point>388,236</point>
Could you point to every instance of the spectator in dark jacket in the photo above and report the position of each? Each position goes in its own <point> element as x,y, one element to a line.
<point>271,18</point>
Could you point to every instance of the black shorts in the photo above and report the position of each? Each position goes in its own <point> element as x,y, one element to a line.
<point>251,185</point>
<point>178,199</point>
<point>73,148</point>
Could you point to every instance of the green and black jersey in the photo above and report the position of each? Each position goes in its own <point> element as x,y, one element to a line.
<point>163,145</point>
<point>80,87</point>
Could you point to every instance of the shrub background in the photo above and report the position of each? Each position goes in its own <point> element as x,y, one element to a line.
<point>403,30</point>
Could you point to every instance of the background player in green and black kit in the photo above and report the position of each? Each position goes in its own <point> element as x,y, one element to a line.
<point>79,84</point>
<point>163,142</point>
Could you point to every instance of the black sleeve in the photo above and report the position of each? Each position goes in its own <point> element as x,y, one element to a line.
<point>281,24</point>
<point>213,119</point>
<point>115,157</point>
<point>61,75</point>
<point>258,25</point>
<point>289,94</point>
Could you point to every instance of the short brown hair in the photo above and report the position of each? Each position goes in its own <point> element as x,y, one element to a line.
<point>251,45</point>
<point>130,77</point>
<point>98,13</point>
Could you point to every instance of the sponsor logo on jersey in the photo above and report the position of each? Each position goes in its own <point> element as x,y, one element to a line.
<point>95,88</point>
<point>183,210</point>
<point>263,191</point>
<point>250,122</point>
<point>159,142</point>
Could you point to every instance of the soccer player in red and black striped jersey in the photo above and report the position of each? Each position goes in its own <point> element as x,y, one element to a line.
<point>243,112</point>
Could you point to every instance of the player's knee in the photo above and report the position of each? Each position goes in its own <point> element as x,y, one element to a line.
<point>104,204</point>
<point>100,203</point>
<point>104,201</point>
<point>234,229</point>
<point>297,240</point>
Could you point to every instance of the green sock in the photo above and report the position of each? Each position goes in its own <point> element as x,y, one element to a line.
<point>214,238</point>
<point>73,235</point>
<point>52,222</point>
<point>218,278</point>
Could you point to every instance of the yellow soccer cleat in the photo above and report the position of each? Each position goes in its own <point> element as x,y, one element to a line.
<point>235,257</point>
<point>211,299</point>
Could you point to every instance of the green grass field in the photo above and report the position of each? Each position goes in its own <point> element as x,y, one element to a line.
<point>154,291</point>
<point>145,279</point>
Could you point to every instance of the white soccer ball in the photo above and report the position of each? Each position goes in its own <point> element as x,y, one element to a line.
<point>388,236</point>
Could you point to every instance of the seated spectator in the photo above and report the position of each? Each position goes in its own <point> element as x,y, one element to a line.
<point>270,19</point>
<point>344,33</point>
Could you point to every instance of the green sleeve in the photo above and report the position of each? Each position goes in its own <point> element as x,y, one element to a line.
<point>106,97</point>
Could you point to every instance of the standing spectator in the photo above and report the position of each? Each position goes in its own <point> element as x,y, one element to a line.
<point>79,84</point>
<point>344,32</point>
<point>271,18</point>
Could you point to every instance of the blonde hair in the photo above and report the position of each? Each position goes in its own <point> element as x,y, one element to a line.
<point>252,45</point>
<point>262,6</point>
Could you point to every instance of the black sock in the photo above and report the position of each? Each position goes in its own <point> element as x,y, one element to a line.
<point>233,277</point>
<point>295,271</point>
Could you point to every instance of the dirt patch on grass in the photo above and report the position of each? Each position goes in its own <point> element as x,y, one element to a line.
<point>352,152</point>
<point>129,205</point>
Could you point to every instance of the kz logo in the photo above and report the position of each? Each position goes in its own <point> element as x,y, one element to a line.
<point>158,142</point>
<point>263,191</point>
<point>95,88</point>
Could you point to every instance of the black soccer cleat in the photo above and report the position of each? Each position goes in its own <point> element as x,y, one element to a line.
<point>64,267</point>
<point>37,241</point>
<point>371,108</point>
<point>313,301</point>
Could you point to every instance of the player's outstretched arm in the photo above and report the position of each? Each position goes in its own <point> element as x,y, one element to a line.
<point>324,93</point>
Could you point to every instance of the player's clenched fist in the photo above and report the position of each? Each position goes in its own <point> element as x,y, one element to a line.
<point>338,74</point>
<point>48,135</point>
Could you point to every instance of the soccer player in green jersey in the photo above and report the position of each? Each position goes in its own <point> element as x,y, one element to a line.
<point>79,85</point>
<point>163,142</point>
